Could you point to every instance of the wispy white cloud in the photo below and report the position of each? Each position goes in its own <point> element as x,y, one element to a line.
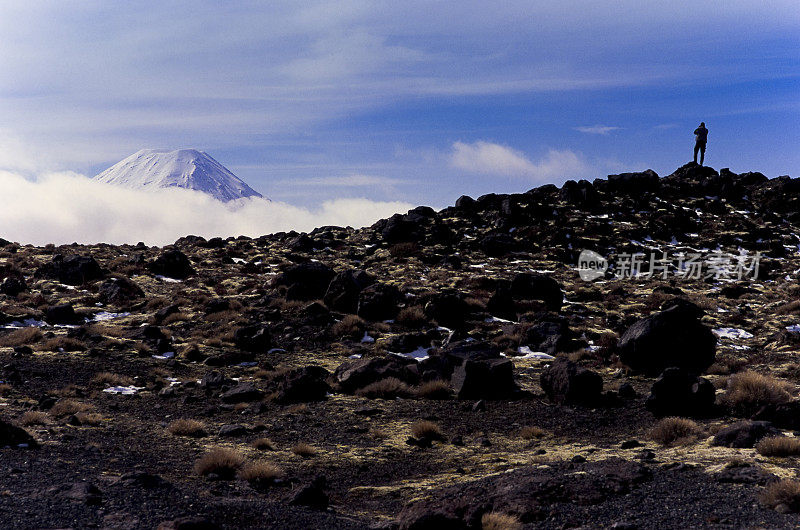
<point>67,207</point>
<point>495,159</point>
<point>597,129</point>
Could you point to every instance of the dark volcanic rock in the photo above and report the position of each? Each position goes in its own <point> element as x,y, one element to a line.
<point>745,434</point>
<point>119,291</point>
<point>308,383</point>
<point>172,264</point>
<point>71,270</point>
<point>62,314</point>
<point>189,523</point>
<point>448,309</point>
<point>13,285</point>
<point>533,286</point>
<point>529,492</point>
<point>673,337</point>
<point>342,293</point>
<point>497,245</point>
<point>255,338</point>
<point>306,281</point>
<point>633,182</point>
<point>565,382</point>
<point>549,334</point>
<point>782,415</point>
<point>13,436</point>
<point>312,495</point>
<point>484,379</point>
<point>358,373</point>
<point>379,301</point>
<point>241,393</point>
<point>678,393</point>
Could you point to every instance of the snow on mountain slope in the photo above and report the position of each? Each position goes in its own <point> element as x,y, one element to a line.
<point>185,168</point>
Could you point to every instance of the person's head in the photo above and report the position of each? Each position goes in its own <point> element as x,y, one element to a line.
<point>702,124</point>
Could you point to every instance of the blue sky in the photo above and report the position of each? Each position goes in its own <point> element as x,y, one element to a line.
<point>410,101</point>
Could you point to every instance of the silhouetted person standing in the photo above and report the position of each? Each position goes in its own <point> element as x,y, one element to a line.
<point>701,137</point>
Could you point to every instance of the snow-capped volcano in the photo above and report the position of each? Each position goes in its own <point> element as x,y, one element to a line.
<point>184,168</point>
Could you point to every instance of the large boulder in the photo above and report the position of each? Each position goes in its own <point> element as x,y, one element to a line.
<point>306,281</point>
<point>172,264</point>
<point>636,182</point>
<point>62,314</point>
<point>344,288</point>
<point>71,269</point>
<point>254,338</point>
<point>358,373</point>
<point>744,434</point>
<point>676,392</point>
<point>379,301</point>
<point>565,382</point>
<point>549,334</point>
<point>782,415</point>
<point>484,379</point>
<point>242,393</point>
<point>448,309</point>
<point>534,286</point>
<point>672,337</point>
<point>13,285</point>
<point>308,383</point>
<point>119,290</point>
<point>13,436</point>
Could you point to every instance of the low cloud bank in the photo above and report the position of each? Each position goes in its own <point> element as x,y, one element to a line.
<point>63,208</point>
<point>495,159</point>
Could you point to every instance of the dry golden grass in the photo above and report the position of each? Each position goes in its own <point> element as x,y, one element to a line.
<point>63,344</point>
<point>176,317</point>
<point>675,431</point>
<point>350,326</point>
<point>220,461</point>
<point>425,429</point>
<point>263,444</point>
<point>187,427</point>
<point>260,472</point>
<point>785,491</point>
<point>412,317</point>
<point>748,391</point>
<point>389,388</point>
<point>500,521</point>
<point>305,450</point>
<point>89,418</point>
<point>33,417</point>
<point>107,379</point>
<point>68,407</point>
<point>778,446</point>
<point>20,337</point>
<point>436,389</point>
<point>531,432</point>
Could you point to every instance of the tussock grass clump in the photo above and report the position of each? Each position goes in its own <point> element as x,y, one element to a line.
<point>33,417</point>
<point>107,379</point>
<point>782,492</point>
<point>176,317</point>
<point>531,432</point>
<point>500,521</point>
<point>412,317</point>
<point>260,473</point>
<point>263,444</point>
<point>426,430</point>
<point>351,326</point>
<point>305,450</point>
<point>63,344</point>
<point>778,446</point>
<point>187,427</point>
<point>389,388</point>
<point>68,407</point>
<point>675,431</point>
<point>436,389</point>
<point>748,391</point>
<point>20,337</point>
<point>5,389</point>
<point>220,461</point>
<point>89,418</point>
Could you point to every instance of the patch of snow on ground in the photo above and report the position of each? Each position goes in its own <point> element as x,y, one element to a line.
<point>367,339</point>
<point>732,333</point>
<point>124,390</point>
<point>167,280</point>
<point>420,354</point>
<point>794,328</point>
<point>527,353</point>
<point>107,315</point>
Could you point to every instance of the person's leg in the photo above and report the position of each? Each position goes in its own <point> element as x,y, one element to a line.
<point>702,153</point>
<point>696,148</point>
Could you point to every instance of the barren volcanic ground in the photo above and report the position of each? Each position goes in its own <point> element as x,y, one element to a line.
<point>436,370</point>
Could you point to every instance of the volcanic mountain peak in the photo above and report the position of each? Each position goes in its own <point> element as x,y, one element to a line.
<point>183,168</point>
